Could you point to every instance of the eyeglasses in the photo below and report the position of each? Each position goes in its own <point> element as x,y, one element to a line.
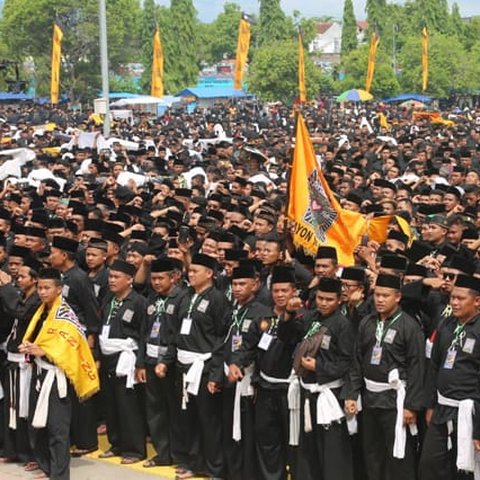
<point>449,276</point>
<point>347,286</point>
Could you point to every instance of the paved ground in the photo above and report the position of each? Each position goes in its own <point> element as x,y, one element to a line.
<point>85,469</point>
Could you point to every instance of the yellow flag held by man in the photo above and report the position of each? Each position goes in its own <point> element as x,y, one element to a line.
<point>424,59</point>
<point>242,51</point>
<point>157,66</point>
<point>301,71</point>
<point>374,41</point>
<point>56,61</point>
<point>318,217</point>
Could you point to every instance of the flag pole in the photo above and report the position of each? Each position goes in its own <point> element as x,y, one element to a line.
<point>104,66</point>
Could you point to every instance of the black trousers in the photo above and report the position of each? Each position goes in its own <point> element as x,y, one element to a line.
<point>17,444</point>
<point>240,457</point>
<point>324,453</point>
<point>436,461</point>
<point>199,446</point>
<point>125,419</point>
<point>83,432</point>
<point>271,433</point>
<point>378,437</point>
<point>51,445</point>
<point>159,397</point>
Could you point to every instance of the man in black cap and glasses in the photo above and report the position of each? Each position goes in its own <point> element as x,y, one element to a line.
<point>388,373</point>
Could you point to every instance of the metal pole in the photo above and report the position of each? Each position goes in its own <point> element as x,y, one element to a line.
<point>394,50</point>
<point>104,65</point>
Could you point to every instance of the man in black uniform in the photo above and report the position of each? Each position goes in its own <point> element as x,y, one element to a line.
<point>123,314</point>
<point>322,361</point>
<point>238,418</point>
<point>453,389</point>
<point>198,347</point>
<point>96,259</point>
<point>388,372</point>
<point>78,292</point>
<point>157,333</point>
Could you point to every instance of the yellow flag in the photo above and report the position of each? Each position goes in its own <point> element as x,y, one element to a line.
<point>301,71</point>
<point>157,66</point>
<point>382,119</point>
<point>56,61</point>
<point>318,217</point>
<point>374,41</point>
<point>242,51</point>
<point>424,59</point>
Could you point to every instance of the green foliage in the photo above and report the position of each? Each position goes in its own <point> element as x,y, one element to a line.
<point>273,74</point>
<point>274,25</point>
<point>376,10</point>
<point>355,67</point>
<point>181,59</point>
<point>451,67</point>
<point>349,28</point>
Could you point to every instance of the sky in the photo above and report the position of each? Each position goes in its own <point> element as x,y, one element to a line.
<point>209,9</point>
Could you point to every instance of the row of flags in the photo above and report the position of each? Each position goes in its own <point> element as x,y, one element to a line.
<point>374,42</point>
<point>318,217</point>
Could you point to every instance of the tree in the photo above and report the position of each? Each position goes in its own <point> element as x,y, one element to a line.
<point>458,27</point>
<point>434,13</point>
<point>181,60</point>
<point>446,54</point>
<point>273,23</point>
<point>349,28</point>
<point>273,73</point>
<point>376,10</point>
<point>355,67</point>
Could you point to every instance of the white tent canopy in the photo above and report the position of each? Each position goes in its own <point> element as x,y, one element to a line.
<point>167,101</point>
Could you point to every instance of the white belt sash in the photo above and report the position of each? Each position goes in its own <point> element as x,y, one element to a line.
<point>41,410</point>
<point>328,408</point>
<point>394,383</point>
<point>465,447</point>
<point>23,393</point>
<point>193,377</point>
<point>243,388</point>
<point>127,358</point>
<point>294,398</point>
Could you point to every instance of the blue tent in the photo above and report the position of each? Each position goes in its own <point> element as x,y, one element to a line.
<point>407,96</point>
<point>14,97</point>
<point>209,93</point>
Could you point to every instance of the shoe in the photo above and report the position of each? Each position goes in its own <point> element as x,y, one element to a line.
<point>109,454</point>
<point>80,452</point>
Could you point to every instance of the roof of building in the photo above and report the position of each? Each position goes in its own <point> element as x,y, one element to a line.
<point>212,92</point>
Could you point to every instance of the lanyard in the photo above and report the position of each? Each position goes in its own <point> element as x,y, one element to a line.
<point>381,330</point>
<point>313,329</point>
<point>458,334</point>
<point>273,325</point>
<point>114,308</point>
<point>237,321</point>
<point>193,303</point>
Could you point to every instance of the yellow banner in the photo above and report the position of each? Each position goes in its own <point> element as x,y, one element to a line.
<point>301,71</point>
<point>374,41</point>
<point>318,217</point>
<point>424,59</point>
<point>157,66</point>
<point>242,52</point>
<point>56,61</point>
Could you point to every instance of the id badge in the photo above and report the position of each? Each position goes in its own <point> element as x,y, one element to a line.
<point>265,341</point>
<point>450,359</point>
<point>376,355</point>
<point>186,326</point>
<point>106,331</point>
<point>155,330</point>
<point>236,342</point>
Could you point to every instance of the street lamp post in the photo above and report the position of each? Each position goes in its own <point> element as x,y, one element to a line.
<point>104,65</point>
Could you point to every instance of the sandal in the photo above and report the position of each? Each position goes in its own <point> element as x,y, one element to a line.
<point>80,452</point>
<point>6,460</point>
<point>31,466</point>
<point>129,460</point>
<point>40,475</point>
<point>184,475</point>
<point>108,454</point>
<point>150,463</point>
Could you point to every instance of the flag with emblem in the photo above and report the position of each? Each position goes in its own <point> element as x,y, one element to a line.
<point>243,45</point>
<point>56,62</point>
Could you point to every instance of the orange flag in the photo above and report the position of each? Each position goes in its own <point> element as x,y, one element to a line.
<point>56,62</point>
<point>242,51</point>
<point>301,71</point>
<point>157,66</point>
<point>319,218</point>
<point>424,59</point>
<point>374,41</point>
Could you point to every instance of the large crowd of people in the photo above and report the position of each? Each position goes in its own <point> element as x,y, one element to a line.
<point>167,252</point>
